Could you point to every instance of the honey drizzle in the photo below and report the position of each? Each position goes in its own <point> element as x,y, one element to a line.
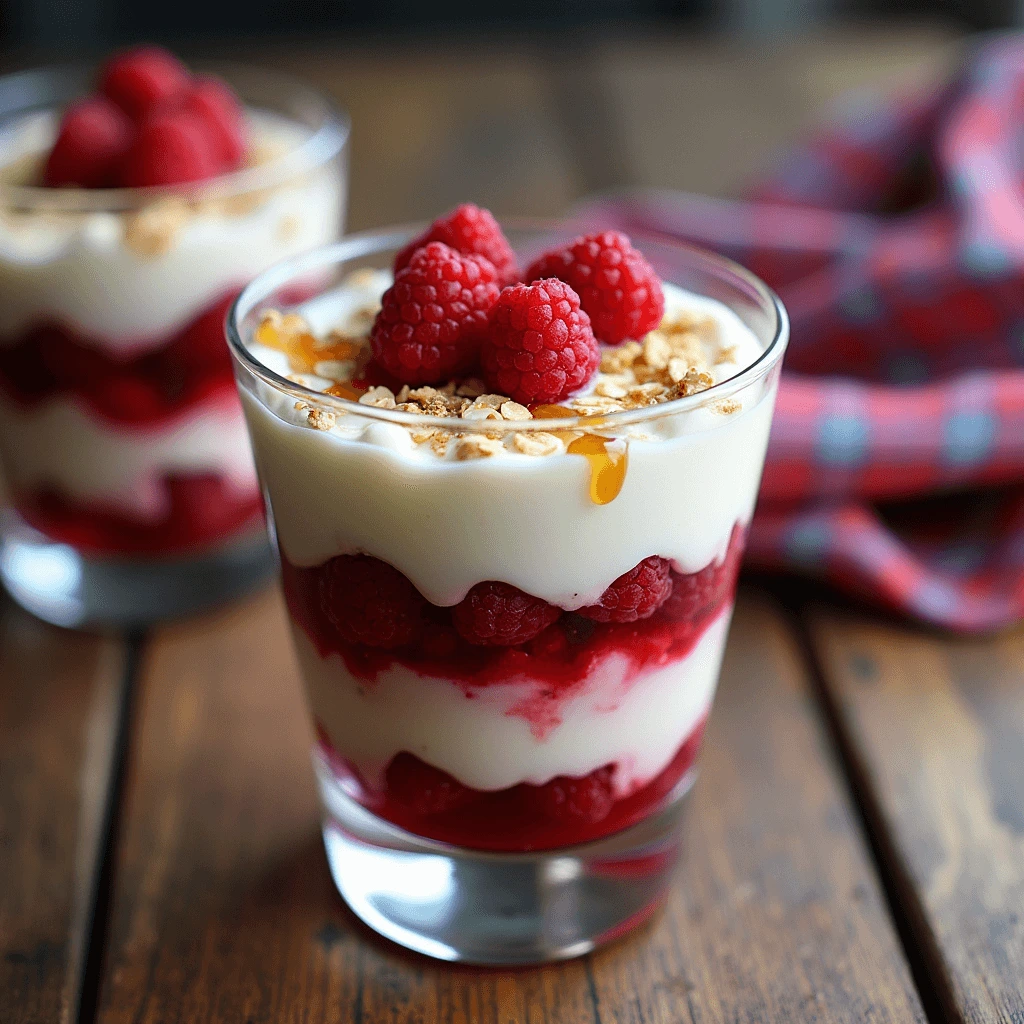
<point>607,468</point>
<point>302,349</point>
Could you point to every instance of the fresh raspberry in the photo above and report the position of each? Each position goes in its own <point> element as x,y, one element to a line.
<point>636,594</point>
<point>423,788</point>
<point>697,594</point>
<point>214,103</point>
<point>370,602</point>
<point>617,287</point>
<point>539,348</point>
<point>468,229</point>
<point>139,79</point>
<point>432,319</point>
<point>496,614</point>
<point>94,137</point>
<point>586,800</point>
<point>172,147</point>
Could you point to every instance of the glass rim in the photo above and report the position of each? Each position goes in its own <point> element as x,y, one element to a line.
<point>326,141</point>
<point>374,241</point>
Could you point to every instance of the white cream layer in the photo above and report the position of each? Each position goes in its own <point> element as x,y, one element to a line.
<point>526,520</point>
<point>638,724</point>
<point>64,445</point>
<point>78,270</point>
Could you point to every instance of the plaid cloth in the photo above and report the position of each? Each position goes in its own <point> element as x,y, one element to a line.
<point>896,240</point>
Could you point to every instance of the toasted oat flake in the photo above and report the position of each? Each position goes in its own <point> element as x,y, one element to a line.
<point>471,388</point>
<point>657,350</point>
<point>471,447</point>
<point>677,369</point>
<point>515,411</point>
<point>595,405</point>
<point>334,369</point>
<point>480,412</point>
<point>379,397</point>
<point>610,388</point>
<point>726,354</point>
<point>536,443</point>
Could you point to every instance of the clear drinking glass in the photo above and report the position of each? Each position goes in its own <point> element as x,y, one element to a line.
<point>130,490</point>
<point>508,804</point>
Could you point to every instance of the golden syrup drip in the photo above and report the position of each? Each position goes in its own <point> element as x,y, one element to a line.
<point>302,349</point>
<point>607,468</point>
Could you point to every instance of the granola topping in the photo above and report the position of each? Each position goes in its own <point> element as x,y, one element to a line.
<point>676,360</point>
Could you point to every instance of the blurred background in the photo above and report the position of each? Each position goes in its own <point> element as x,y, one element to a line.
<point>528,106</point>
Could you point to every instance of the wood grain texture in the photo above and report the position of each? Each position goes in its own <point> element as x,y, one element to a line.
<point>934,729</point>
<point>60,702</point>
<point>224,909</point>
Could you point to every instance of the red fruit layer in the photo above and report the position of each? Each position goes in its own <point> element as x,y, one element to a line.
<point>561,658</point>
<point>52,359</point>
<point>201,510</point>
<point>563,812</point>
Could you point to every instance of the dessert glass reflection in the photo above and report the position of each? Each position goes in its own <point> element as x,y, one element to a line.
<point>130,490</point>
<point>495,800</point>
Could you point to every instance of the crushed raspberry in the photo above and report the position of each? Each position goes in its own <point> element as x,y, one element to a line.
<point>94,137</point>
<point>539,348</point>
<point>172,147</point>
<point>586,800</point>
<point>138,80</point>
<point>370,602</point>
<point>423,788</point>
<point>468,229</point>
<point>635,595</point>
<point>434,316</point>
<point>213,102</point>
<point>617,287</point>
<point>496,614</point>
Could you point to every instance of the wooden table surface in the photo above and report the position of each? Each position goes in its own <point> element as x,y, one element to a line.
<point>855,846</point>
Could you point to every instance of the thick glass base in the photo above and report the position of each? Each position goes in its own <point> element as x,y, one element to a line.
<point>493,908</point>
<point>57,583</point>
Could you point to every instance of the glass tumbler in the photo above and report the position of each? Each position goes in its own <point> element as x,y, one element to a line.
<point>505,804</point>
<point>129,491</point>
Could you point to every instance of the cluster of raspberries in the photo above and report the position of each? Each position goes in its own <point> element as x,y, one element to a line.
<point>458,306</point>
<point>371,603</point>
<point>150,122</point>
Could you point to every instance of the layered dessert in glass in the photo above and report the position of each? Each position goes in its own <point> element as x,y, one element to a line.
<point>135,202</point>
<point>509,481</point>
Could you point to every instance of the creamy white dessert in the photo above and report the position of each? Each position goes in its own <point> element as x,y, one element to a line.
<point>518,507</point>
<point>126,283</point>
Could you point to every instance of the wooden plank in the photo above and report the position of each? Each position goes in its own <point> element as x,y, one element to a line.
<point>224,909</point>
<point>934,730</point>
<point>60,705</point>
<point>704,115</point>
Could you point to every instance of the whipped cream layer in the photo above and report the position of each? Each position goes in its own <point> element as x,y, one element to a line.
<point>487,741</point>
<point>364,486</point>
<point>63,445</point>
<point>89,270</point>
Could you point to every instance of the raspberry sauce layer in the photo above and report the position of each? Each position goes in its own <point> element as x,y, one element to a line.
<point>52,359</point>
<point>561,657</point>
<point>536,711</point>
<point>199,511</point>
<point>563,812</point>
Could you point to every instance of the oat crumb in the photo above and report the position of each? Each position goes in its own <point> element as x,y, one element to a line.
<point>320,419</point>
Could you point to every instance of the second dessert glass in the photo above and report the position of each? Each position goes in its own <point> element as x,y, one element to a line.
<point>507,804</point>
<point>131,493</point>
